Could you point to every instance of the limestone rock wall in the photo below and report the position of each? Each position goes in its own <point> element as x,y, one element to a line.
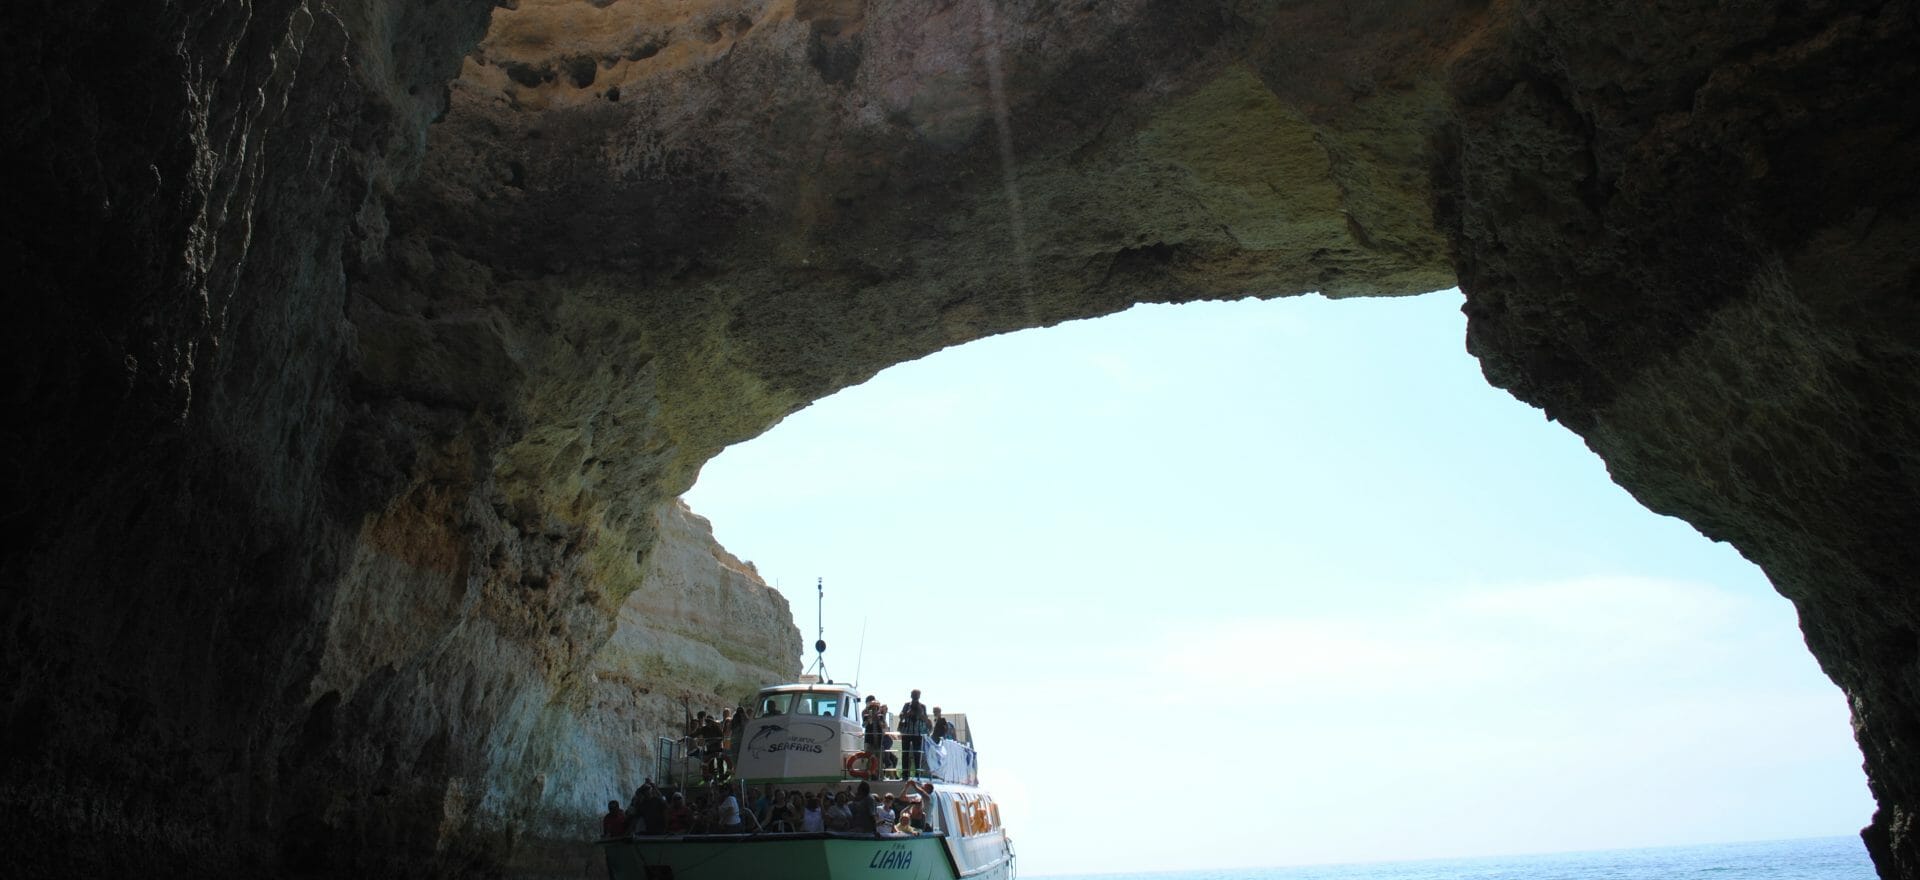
<point>187,183</point>
<point>362,346</point>
<point>281,605</point>
<point>1691,238</point>
<point>491,718</point>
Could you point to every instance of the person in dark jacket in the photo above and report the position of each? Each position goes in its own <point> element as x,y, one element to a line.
<point>913,736</point>
<point>862,819</point>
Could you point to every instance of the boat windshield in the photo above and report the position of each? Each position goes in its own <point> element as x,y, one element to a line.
<point>821,704</point>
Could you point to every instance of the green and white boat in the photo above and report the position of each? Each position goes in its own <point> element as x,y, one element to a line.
<point>809,735</point>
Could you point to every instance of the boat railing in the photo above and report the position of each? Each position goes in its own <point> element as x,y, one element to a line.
<point>922,756</point>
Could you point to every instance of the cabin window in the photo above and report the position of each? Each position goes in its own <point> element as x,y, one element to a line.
<point>810,703</point>
<point>805,703</point>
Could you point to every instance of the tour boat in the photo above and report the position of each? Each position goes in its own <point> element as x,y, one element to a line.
<point>807,736</point>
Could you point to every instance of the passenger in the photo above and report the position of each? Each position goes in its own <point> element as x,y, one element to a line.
<point>693,744</point>
<point>786,815</point>
<point>710,734</point>
<point>702,811</point>
<point>878,827</point>
<point>812,816</point>
<point>695,723</point>
<point>726,814</point>
<point>777,814</point>
<point>874,719</point>
<point>862,807</point>
<point>837,816</point>
<point>739,733</point>
<point>915,813</point>
<point>763,806</point>
<point>653,810</point>
<point>679,817</point>
<point>887,814</point>
<point>913,732</point>
<point>942,727</point>
<point>614,823</point>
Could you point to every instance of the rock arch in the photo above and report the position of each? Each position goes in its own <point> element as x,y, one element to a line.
<point>366,343</point>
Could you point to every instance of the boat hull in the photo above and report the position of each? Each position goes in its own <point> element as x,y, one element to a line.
<point>791,857</point>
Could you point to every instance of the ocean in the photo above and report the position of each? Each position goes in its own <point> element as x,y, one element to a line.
<point>1822,858</point>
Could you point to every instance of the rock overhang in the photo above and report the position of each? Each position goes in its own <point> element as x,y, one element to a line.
<point>641,231</point>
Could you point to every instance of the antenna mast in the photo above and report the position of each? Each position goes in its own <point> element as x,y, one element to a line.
<point>820,621</point>
<point>861,657</point>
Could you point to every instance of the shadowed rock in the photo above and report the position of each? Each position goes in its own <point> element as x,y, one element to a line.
<point>365,345</point>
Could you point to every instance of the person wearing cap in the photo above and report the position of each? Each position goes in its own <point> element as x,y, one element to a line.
<point>942,727</point>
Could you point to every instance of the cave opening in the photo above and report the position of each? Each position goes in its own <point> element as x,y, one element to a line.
<point>1301,549</point>
<point>367,346</point>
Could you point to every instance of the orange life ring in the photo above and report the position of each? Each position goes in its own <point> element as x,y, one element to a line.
<point>862,765</point>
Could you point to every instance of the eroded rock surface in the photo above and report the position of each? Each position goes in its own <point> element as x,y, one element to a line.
<point>365,343</point>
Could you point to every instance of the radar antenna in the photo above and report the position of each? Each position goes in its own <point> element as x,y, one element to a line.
<point>820,621</point>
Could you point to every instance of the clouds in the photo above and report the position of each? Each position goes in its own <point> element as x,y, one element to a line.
<point>1584,713</point>
<point>1603,634</point>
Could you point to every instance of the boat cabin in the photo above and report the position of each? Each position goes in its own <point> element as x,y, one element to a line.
<point>812,732</point>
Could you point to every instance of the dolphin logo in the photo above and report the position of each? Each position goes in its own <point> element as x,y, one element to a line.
<point>757,745</point>
<point>779,737</point>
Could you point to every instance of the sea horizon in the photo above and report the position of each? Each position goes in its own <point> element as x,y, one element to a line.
<point>1834,857</point>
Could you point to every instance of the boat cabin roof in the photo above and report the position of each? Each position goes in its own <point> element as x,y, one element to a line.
<point>823,700</point>
<point>807,686</point>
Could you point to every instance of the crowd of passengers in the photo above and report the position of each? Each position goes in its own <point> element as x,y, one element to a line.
<point>719,810</point>
<point>716,740</point>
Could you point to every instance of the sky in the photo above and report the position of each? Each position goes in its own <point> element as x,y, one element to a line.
<point>1287,566</point>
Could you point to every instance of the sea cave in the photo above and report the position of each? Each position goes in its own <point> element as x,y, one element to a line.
<point>370,343</point>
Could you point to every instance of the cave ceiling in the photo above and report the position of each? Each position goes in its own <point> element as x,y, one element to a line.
<point>373,339</point>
